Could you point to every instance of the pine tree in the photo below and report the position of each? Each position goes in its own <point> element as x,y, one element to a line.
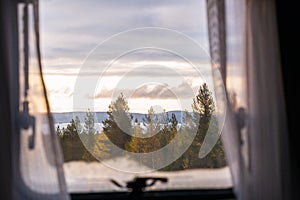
<point>151,141</point>
<point>89,123</point>
<point>174,123</point>
<point>151,121</point>
<point>89,136</point>
<point>72,147</point>
<point>145,143</point>
<point>118,126</point>
<point>203,103</point>
<point>169,134</point>
<point>203,114</point>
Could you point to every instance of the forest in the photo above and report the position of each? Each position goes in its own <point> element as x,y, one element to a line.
<point>81,142</point>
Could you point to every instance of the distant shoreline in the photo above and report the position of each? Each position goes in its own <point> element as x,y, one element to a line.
<point>66,117</point>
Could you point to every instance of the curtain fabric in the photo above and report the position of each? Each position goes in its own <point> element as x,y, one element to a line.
<point>257,155</point>
<point>218,53</point>
<point>259,158</point>
<point>268,175</point>
<point>39,164</point>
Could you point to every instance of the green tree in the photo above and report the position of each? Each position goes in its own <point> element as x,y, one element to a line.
<point>203,115</point>
<point>137,143</point>
<point>72,147</point>
<point>151,121</point>
<point>102,148</point>
<point>151,140</point>
<point>174,148</point>
<point>89,123</point>
<point>162,127</point>
<point>174,123</point>
<point>89,136</point>
<point>118,126</point>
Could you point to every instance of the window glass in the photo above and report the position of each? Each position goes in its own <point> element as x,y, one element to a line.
<point>130,86</point>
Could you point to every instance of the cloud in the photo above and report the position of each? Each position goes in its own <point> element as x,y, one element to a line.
<point>161,91</point>
<point>63,91</point>
<point>71,30</point>
<point>142,63</point>
<point>157,92</point>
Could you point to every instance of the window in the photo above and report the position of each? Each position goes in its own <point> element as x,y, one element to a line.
<point>142,110</point>
<point>131,90</point>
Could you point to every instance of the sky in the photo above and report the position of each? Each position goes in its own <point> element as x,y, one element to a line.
<point>95,49</point>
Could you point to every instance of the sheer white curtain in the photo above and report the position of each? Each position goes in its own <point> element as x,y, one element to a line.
<point>268,174</point>
<point>256,152</point>
<point>216,15</point>
<point>38,167</point>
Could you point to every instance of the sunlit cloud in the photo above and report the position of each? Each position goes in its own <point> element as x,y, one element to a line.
<point>161,91</point>
<point>69,36</point>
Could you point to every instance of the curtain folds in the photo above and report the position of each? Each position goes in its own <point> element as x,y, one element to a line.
<point>39,171</point>
<point>218,52</point>
<point>248,57</point>
<point>269,175</point>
